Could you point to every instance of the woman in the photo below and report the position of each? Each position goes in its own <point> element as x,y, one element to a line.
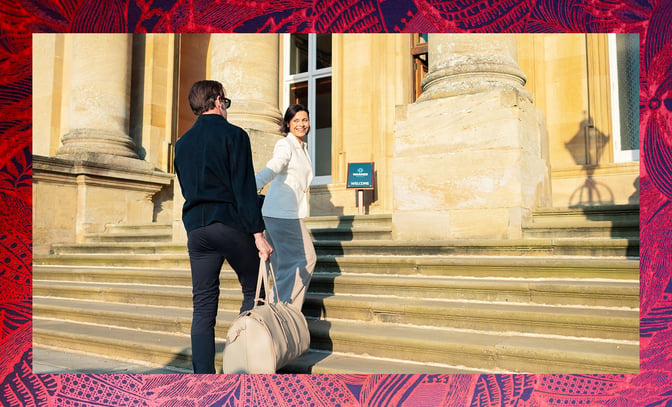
<point>286,204</point>
<point>213,161</point>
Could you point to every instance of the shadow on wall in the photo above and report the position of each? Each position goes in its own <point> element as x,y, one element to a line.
<point>634,198</point>
<point>163,203</point>
<point>586,148</point>
<point>597,199</point>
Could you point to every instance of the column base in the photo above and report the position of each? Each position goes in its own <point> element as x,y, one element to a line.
<point>82,141</point>
<point>105,160</point>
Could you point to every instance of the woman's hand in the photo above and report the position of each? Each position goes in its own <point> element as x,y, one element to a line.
<point>263,246</point>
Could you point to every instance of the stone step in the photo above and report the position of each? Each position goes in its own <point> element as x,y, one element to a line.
<point>590,322</point>
<point>471,349</point>
<point>139,236</point>
<point>342,233</point>
<point>154,348</point>
<point>574,229</point>
<point>620,221</point>
<point>164,261</point>
<point>492,316</point>
<point>492,351</point>
<point>612,213</point>
<point>321,227</point>
<point>134,315</point>
<point>56,360</point>
<point>173,354</point>
<point>355,227</point>
<point>137,232</point>
<point>123,247</point>
<point>348,221</point>
<point>329,362</point>
<point>337,233</point>
<point>126,228</point>
<point>615,221</point>
<point>594,247</point>
<point>561,267</point>
<point>602,292</point>
<point>465,266</point>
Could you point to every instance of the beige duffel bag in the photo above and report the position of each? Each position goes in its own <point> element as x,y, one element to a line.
<point>267,337</point>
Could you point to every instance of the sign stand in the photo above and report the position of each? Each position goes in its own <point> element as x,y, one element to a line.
<point>360,177</point>
<point>360,201</point>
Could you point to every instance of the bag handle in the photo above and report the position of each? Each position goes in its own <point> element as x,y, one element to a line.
<point>265,268</point>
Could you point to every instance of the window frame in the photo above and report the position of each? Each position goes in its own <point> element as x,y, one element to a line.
<point>311,77</point>
<point>420,61</point>
<point>620,155</point>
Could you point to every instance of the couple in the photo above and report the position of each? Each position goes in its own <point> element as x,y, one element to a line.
<point>213,161</point>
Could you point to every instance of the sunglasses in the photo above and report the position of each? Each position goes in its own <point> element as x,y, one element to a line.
<point>227,101</point>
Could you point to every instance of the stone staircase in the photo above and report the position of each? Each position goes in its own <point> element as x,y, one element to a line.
<point>564,299</point>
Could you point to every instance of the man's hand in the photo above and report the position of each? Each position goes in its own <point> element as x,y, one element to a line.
<point>263,246</point>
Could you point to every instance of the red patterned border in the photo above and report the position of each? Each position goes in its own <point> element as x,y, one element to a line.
<point>652,19</point>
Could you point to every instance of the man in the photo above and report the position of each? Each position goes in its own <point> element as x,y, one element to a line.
<point>221,214</point>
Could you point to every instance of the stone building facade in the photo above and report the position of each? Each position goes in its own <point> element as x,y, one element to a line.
<point>469,133</point>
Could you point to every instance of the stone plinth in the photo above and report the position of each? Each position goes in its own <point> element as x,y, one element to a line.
<point>74,198</point>
<point>473,170</point>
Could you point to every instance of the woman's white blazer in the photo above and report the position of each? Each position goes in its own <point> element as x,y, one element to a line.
<point>290,173</point>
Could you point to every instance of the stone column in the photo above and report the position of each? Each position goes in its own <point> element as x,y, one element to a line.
<point>467,155</point>
<point>471,63</point>
<point>98,115</point>
<point>96,178</point>
<point>248,67</point>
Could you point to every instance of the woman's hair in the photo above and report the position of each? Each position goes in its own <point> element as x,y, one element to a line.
<point>203,94</point>
<point>291,111</point>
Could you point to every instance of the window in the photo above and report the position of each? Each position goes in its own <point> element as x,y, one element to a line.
<point>624,72</point>
<point>308,81</point>
<point>420,62</point>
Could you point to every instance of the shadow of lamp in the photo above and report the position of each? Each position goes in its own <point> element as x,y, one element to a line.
<point>586,148</point>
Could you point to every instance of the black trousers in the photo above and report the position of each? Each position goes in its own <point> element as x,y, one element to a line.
<point>208,247</point>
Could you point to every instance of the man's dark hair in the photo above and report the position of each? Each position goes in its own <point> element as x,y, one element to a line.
<point>203,94</point>
<point>291,111</point>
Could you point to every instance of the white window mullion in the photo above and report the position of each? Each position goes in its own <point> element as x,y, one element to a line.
<point>311,109</point>
<point>312,49</point>
<point>312,66</point>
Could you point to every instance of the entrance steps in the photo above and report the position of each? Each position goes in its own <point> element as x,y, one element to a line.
<point>374,305</point>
